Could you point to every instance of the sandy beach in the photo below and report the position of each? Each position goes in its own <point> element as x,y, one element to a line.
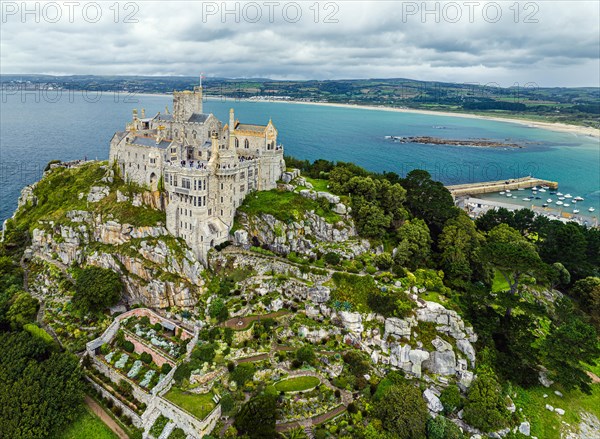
<point>573,129</point>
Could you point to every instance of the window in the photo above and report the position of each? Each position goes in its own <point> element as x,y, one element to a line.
<point>242,175</point>
<point>186,183</point>
<point>237,143</point>
<point>204,184</point>
<point>242,188</point>
<point>246,144</point>
<point>250,173</point>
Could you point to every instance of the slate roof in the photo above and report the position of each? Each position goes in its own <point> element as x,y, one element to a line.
<point>150,141</point>
<point>198,117</point>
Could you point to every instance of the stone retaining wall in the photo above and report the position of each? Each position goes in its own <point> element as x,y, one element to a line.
<point>135,418</point>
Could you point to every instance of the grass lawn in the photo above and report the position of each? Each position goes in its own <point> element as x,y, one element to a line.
<point>87,426</point>
<point>297,384</point>
<point>318,184</point>
<point>285,206</point>
<point>546,424</point>
<point>199,405</point>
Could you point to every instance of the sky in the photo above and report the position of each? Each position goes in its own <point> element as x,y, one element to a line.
<point>542,43</point>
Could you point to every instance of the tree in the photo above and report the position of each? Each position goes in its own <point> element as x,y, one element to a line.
<point>442,428</point>
<point>566,347</point>
<point>306,354</point>
<point>587,291</point>
<point>22,309</point>
<point>564,243</point>
<point>243,373</point>
<point>414,248</point>
<point>257,417</point>
<point>511,254</point>
<point>371,220</point>
<point>485,407</point>
<point>428,200</point>
<point>218,310</point>
<point>40,391</point>
<point>96,288</point>
<point>402,412</point>
<point>451,399</point>
<point>558,275</point>
<point>205,353</point>
<point>459,244</point>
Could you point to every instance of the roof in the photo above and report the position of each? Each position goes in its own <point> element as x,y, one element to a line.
<point>150,141</point>
<point>164,116</point>
<point>168,325</point>
<point>250,127</point>
<point>198,117</point>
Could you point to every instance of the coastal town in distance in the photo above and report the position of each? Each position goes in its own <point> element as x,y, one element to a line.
<point>293,220</point>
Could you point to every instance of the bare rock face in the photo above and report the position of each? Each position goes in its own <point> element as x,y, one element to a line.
<point>154,274</point>
<point>433,402</point>
<point>97,193</point>
<point>399,327</point>
<point>441,363</point>
<point>318,294</point>
<point>352,321</point>
<point>303,237</point>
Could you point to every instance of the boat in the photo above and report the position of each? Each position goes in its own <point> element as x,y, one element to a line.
<point>544,205</point>
<point>538,198</point>
<point>573,201</point>
<point>561,198</point>
<point>521,189</point>
<point>559,194</point>
<point>509,195</point>
<point>545,187</point>
<point>575,210</point>
<point>567,205</point>
<point>534,192</point>
<point>542,190</point>
<point>552,192</point>
<point>578,198</point>
<point>568,196</point>
<point>549,200</point>
<point>526,199</point>
<point>591,209</point>
<point>507,191</point>
<point>535,188</point>
<point>502,193</point>
<point>559,203</point>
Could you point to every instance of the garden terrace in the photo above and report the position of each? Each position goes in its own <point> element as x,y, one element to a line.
<point>199,405</point>
<point>129,364</point>
<point>297,384</point>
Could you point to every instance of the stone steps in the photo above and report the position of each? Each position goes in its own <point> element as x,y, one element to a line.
<point>167,430</point>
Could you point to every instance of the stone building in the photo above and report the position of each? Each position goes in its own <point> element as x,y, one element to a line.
<point>205,168</point>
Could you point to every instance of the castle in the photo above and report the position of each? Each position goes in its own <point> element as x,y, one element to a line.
<point>205,169</point>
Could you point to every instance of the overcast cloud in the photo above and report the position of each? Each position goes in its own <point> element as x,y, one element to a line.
<point>547,43</point>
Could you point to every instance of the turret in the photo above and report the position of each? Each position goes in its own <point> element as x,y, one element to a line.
<point>231,129</point>
<point>186,103</point>
<point>214,149</point>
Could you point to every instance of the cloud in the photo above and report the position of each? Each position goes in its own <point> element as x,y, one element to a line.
<point>550,43</point>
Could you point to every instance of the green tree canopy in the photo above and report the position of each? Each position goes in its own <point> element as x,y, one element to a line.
<point>485,408</point>
<point>511,254</point>
<point>402,412</point>
<point>96,288</point>
<point>257,417</point>
<point>414,249</point>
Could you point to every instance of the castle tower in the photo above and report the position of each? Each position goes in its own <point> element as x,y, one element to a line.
<point>186,103</point>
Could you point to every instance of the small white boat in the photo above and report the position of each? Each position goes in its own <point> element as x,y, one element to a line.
<point>534,192</point>
<point>591,209</point>
<point>526,199</point>
<point>578,198</point>
<point>502,193</point>
<point>542,190</point>
<point>509,195</point>
<point>549,200</point>
<point>514,196</point>
<point>507,191</point>
<point>535,188</point>
<point>544,205</point>
<point>575,210</point>
<point>559,203</point>
<point>521,189</point>
<point>573,201</point>
<point>567,205</point>
<point>559,194</point>
<point>561,198</point>
<point>545,187</point>
<point>568,196</point>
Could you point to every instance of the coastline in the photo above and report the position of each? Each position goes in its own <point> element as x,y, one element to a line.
<point>551,126</point>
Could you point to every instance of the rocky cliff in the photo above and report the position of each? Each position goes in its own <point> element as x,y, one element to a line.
<point>157,269</point>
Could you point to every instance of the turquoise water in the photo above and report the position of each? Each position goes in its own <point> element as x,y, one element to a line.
<point>72,127</point>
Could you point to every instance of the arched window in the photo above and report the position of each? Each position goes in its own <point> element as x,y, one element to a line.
<point>237,143</point>
<point>194,135</point>
<point>246,144</point>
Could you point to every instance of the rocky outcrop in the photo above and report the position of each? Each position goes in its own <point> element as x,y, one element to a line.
<point>154,273</point>
<point>313,234</point>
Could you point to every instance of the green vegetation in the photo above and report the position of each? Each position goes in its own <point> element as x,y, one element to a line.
<point>87,426</point>
<point>199,405</point>
<point>285,206</point>
<point>36,331</point>
<point>257,417</point>
<point>402,412</point>
<point>297,384</point>
<point>96,289</point>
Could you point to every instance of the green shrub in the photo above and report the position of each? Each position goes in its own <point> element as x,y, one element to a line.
<point>451,399</point>
<point>485,407</point>
<point>128,346</point>
<point>332,258</point>
<point>146,357</point>
<point>166,368</point>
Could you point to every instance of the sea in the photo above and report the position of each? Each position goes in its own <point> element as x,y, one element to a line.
<point>36,128</point>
